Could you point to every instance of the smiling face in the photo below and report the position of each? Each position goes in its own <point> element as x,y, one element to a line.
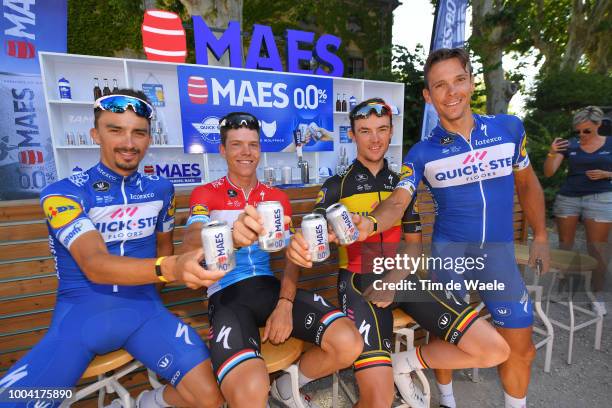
<point>450,90</point>
<point>123,139</point>
<point>372,136</point>
<point>241,151</point>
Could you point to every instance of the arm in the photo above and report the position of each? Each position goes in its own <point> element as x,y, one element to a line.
<point>165,245</point>
<point>555,156</point>
<point>90,253</point>
<point>387,213</point>
<point>531,198</point>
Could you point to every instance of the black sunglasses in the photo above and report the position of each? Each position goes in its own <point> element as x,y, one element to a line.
<point>237,120</point>
<point>585,131</point>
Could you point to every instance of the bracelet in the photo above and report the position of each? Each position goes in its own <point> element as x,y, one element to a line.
<point>551,154</point>
<point>158,270</point>
<point>286,298</point>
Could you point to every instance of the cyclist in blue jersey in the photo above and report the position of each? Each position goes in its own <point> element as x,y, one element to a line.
<point>471,164</point>
<point>110,231</point>
<point>250,296</point>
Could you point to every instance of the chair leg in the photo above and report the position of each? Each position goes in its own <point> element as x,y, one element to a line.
<point>570,304</point>
<point>335,390</point>
<point>153,379</point>
<point>591,296</point>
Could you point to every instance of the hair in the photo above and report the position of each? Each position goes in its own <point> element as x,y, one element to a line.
<point>443,54</point>
<point>361,105</point>
<point>127,92</point>
<point>223,130</point>
<point>590,113</point>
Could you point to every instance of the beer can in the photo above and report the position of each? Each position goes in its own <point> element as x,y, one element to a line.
<point>218,246</point>
<point>342,223</point>
<point>273,217</point>
<point>269,175</point>
<point>314,230</point>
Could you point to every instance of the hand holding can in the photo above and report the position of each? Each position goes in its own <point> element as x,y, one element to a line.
<point>218,246</point>
<point>273,238</point>
<point>342,224</point>
<point>314,230</point>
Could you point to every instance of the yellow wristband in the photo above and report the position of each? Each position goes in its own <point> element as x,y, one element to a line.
<point>551,154</point>
<point>158,270</point>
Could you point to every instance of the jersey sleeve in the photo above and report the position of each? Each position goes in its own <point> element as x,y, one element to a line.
<point>199,206</point>
<point>328,195</point>
<point>65,212</point>
<point>165,220</point>
<point>411,221</point>
<point>520,159</point>
<point>412,170</point>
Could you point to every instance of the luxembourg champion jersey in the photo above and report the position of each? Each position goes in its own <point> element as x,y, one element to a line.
<point>222,200</point>
<point>472,183</point>
<point>127,211</point>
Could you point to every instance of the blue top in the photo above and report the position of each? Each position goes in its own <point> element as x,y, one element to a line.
<point>472,183</point>
<point>126,211</point>
<point>577,184</point>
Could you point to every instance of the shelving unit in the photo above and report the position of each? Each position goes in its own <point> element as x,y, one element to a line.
<point>76,115</point>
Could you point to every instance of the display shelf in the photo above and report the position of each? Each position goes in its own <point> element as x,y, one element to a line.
<point>76,115</point>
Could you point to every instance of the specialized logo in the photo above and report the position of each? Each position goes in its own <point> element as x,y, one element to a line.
<point>101,186</point>
<point>444,321</point>
<point>321,195</point>
<point>223,336</point>
<point>309,320</point>
<point>524,300</point>
<point>61,211</point>
<point>165,361</point>
<point>182,330</point>
<point>364,330</point>
<point>199,209</point>
<point>13,377</point>
<point>503,311</point>
<point>318,298</point>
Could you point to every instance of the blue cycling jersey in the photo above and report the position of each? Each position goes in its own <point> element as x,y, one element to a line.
<point>126,211</point>
<point>471,182</point>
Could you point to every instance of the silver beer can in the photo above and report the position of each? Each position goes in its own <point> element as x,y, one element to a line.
<point>273,217</point>
<point>342,223</point>
<point>218,246</point>
<point>314,230</point>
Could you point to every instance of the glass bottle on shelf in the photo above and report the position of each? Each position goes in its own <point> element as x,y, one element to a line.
<point>106,90</point>
<point>344,105</point>
<point>115,87</point>
<point>338,103</point>
<point>97,92</point>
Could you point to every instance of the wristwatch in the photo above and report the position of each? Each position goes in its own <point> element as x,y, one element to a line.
<point>374,222</point>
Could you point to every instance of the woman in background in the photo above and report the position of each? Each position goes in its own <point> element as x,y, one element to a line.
<point>587,191</point>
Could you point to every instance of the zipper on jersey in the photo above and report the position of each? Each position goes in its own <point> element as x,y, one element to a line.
<point>121,245</point>
<point>484,200</point>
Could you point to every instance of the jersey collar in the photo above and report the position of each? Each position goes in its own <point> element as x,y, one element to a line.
<point>360,166</point>
<point>114,177</point>
<point>439,135</point>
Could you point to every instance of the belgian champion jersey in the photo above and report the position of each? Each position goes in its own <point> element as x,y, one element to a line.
<point>222,200</point>
<point>126,211</point>
<point>471,182</point>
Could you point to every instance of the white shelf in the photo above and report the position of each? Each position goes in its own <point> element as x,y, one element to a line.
<point>71,102</point>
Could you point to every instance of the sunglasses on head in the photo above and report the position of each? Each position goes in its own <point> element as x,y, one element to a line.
<point>585,131</point>
<point>120,103</point>
<point>378,108</point>
<point>238,120</point>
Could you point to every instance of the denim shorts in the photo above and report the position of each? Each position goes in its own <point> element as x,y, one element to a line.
<point>597,207</point>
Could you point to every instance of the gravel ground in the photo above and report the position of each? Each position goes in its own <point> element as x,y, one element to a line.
<point>587,382</point>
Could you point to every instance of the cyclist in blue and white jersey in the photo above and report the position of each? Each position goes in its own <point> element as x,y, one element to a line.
<point>110,231</point>
<point>471,164</point>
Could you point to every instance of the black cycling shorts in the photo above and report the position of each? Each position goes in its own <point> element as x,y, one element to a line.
<point>445,317</point>
<point>237,311</point>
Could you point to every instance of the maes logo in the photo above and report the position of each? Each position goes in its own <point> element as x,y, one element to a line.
<point>177,173</point>
<point>19,16</point>
<point>60,211</point>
